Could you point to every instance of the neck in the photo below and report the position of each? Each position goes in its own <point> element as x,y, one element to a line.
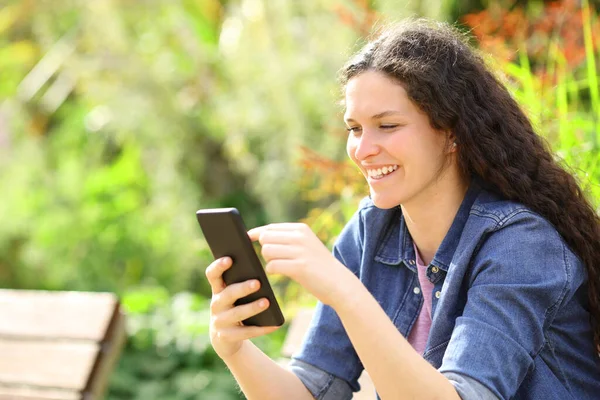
<point>429,217</point>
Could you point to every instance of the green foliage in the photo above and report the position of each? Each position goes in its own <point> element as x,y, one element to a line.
<point>168,353</point>
<point>99,194</point>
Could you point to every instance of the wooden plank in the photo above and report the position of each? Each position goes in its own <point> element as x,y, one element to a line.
<point>47,364</point>
<point>69,315</point>
<point>108,356</point>
<point>28,393</point>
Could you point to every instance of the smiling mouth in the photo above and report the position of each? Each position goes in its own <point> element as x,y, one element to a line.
<point>381,173</point>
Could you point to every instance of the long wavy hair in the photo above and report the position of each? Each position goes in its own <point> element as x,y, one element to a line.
<point>450,82</point>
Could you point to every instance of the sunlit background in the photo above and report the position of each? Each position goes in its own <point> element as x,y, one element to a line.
<point>119,119</point>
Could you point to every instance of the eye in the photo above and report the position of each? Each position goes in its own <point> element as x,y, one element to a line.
<point>389,126</point>
<point>355,130</point>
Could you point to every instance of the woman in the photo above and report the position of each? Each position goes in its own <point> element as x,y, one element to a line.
<point>471,271</point>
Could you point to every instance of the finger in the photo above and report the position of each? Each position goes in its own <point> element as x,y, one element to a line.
<point>279,236</point>
<point>228,296</point>
<point>289,268</point>
<point>214,273</point>
<point>278,251</point>
<point>286,226</point>
<point>239,333</point>
<point>239,313</point>
<point>254,233</point>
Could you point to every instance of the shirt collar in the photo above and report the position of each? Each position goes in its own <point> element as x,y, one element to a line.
<point>397,244</point>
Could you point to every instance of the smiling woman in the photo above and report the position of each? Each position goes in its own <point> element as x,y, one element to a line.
<point>469,272</point>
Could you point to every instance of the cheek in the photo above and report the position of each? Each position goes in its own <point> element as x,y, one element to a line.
<point>399,146</point>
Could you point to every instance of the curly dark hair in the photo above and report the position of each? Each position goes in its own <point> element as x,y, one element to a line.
<point>448,80</point>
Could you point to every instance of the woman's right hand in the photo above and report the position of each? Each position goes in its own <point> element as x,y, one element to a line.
<point>227,333</point>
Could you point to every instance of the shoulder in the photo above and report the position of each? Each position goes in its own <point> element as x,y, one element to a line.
<point>515,222</point>
<point>498,209</point>
<point>519,246</point>
<point>509,217</point>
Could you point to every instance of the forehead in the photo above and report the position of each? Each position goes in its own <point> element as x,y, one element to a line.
<point>372,92</point>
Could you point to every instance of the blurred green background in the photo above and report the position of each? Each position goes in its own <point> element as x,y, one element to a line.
<point>120,118</point>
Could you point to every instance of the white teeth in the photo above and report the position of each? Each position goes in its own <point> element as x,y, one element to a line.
<point>381,171</point>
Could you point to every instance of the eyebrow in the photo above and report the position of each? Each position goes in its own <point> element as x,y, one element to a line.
<point>380,115</point>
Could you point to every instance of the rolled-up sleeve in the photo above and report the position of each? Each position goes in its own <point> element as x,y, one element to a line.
<point>468,388</point>
<point>518,279</point>
<point>321,384</point>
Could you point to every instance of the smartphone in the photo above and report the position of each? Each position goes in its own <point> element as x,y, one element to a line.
<point>226,235</point>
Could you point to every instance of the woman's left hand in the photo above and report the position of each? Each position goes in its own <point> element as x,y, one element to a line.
<point>293,250</point>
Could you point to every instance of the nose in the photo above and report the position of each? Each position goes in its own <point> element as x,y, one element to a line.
<point>366,145</point>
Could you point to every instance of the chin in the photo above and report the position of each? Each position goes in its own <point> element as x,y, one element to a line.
<point>385,202</point>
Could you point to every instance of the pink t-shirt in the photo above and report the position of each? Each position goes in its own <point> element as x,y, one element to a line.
<point>420,330</point>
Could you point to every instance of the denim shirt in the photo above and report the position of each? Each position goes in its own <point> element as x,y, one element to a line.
<point>510,309</point>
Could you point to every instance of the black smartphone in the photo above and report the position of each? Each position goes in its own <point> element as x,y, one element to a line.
<point>226,235</point>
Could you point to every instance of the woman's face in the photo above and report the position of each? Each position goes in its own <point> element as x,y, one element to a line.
<point>391,141</point>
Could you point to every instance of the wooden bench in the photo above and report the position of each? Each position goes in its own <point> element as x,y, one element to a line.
<point>58,345</point>
<point>294,338</point>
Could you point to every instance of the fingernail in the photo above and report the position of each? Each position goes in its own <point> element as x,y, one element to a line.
<point>253,284</point>
<point>262,303</point>
<point>225,260</point>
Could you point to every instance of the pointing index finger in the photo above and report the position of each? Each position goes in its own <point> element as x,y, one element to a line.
<point>254,233</point>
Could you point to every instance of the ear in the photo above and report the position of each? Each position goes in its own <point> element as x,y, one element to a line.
<point>452,145</point>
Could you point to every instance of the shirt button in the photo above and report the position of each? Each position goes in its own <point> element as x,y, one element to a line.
<point>412,262</point>
<point>438,294</point>
<point>416,290</point>
<point>435,269</point>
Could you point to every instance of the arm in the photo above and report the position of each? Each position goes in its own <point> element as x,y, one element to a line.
<point>394,366</point>
<point>261,378</point>
<point>392,363</point>
<point>326,363</point>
